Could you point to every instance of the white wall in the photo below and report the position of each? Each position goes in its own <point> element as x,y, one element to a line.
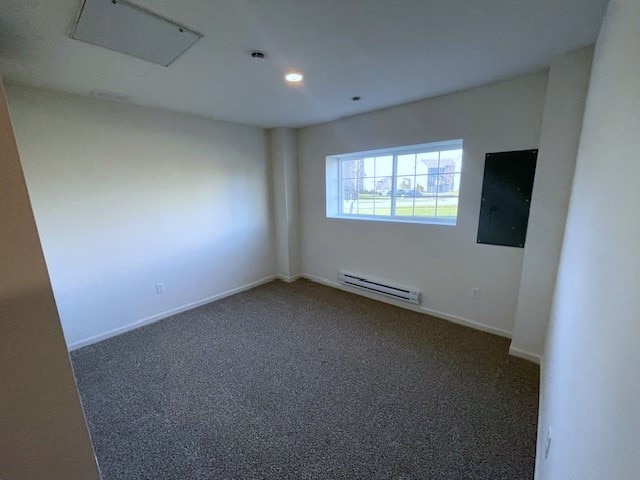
<point>559,139</point>
<point>43,434</point>
<point>591,378</point>
<point>125,197</point>
<point>444,262</point>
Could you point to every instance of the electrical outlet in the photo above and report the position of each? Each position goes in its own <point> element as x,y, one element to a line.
<point>475,293</point>
<point>547,445</point>
<point>160,288</point>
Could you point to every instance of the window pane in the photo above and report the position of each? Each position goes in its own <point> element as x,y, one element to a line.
<point>383,196</point>
<point>456,184</point>
<point>451,161</point>
<point>406,164</point>
<point>368,187</point>
<point>369,167</point>
<point>350,189</point>
<point>425,161</point>
<point>432,183</point>
<point>425,205</point>
<point>365,196</point>
<point>422,184</point>
<point>447,207</point>
<point>365,206</point>
<point>384,185</point>
<point>353,168</point>
<point>448,196</point>
<point>404,184</point>
<point>404,206</point>
<point>447,183</point>
<point>384,166</point>
<point>404,200</point>
<point>349,207</point>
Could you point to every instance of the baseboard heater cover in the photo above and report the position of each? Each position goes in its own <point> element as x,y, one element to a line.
<point>399,293</point>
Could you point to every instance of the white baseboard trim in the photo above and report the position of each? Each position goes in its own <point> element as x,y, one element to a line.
<point>288,279</point>
<point>518,352</point>
<point>159,316</point>
<point>416,308</point>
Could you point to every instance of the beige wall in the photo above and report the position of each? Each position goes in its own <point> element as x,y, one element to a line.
<point>43,434</point>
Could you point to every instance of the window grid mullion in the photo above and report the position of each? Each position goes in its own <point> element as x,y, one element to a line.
<point>340,187</point>
<point>415,185</point>
<point>394,181</point>
<point>435,211</point>
<point>375,191</point>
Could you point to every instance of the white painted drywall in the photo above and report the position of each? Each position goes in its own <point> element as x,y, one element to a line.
<point>284,167</point>
<point>591,379</point>
<point>43,434</point>
<point>559,139</point>
<point>125,197</point>
<point>444,262</point>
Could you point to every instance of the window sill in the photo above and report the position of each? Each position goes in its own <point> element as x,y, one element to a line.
<point>378,218</point>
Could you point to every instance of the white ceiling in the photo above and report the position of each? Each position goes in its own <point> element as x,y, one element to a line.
<point>386,51</point>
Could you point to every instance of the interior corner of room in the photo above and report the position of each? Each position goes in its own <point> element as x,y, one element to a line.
<point>199,193</point>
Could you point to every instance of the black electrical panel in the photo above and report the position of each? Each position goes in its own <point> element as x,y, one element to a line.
<point>506,197</point>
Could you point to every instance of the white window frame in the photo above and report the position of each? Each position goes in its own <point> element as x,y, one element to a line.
<point>334,197</point>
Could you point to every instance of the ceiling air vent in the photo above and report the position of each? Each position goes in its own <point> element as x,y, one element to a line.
<point>129,29</point>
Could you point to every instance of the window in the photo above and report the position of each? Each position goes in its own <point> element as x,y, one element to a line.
<point>417,184</point>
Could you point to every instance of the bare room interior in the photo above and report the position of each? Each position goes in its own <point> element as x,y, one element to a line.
<point>319,239</point>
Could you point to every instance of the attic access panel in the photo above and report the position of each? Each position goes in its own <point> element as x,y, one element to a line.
<point>129,29</point>
<point>506,197</point>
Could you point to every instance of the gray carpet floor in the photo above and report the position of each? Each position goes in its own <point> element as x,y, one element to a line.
<point>302,381</point>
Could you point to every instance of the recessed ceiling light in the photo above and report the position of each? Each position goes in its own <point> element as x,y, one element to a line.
<point>294,77</point>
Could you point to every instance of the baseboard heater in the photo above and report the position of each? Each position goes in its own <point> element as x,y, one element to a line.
<point>398,293</point>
